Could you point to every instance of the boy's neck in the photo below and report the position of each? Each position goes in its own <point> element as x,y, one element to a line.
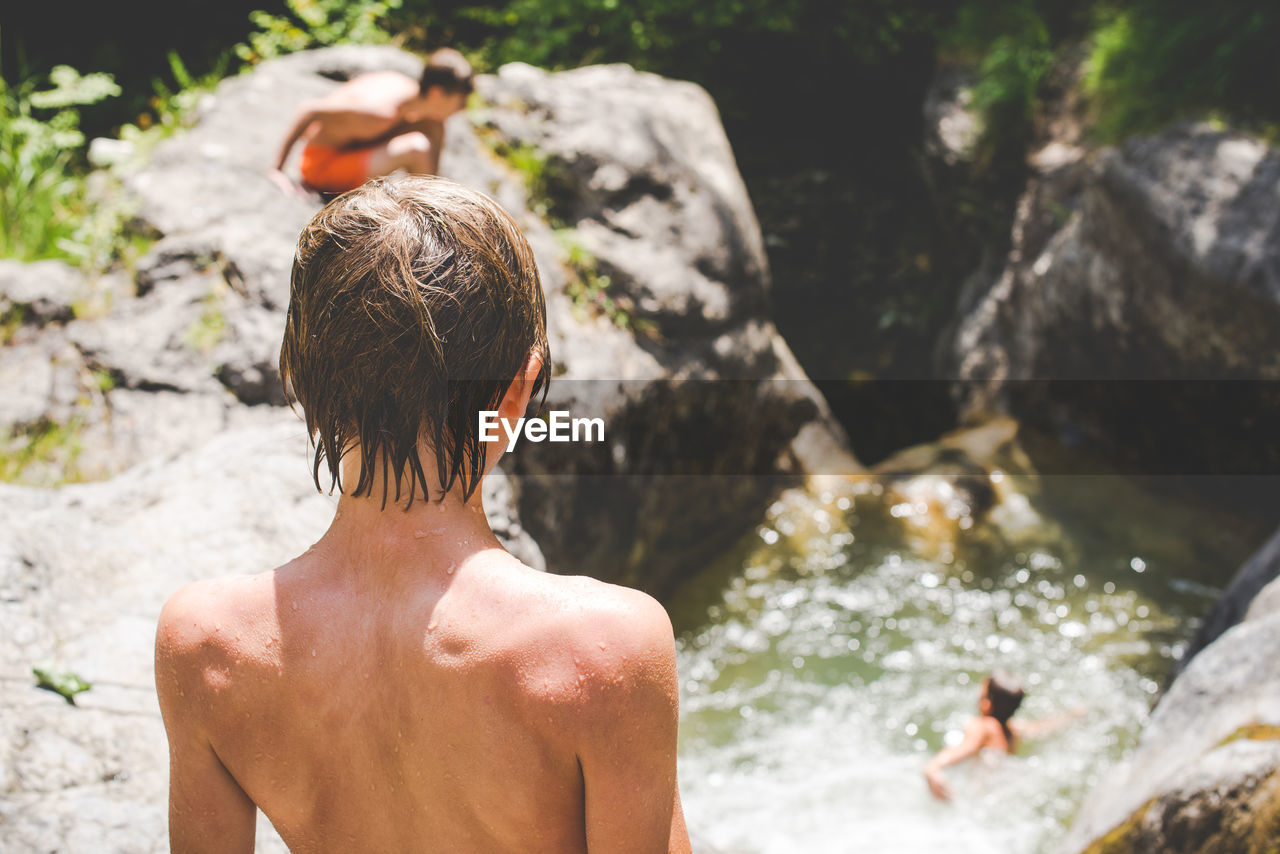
<point>436,534</point>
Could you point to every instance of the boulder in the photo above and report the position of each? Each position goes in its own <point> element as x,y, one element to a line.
<point>1140,278</point>
<point>1205,776</point>
<point>1229,801</point>
<point>695,386</point>
<point>1242,596</point>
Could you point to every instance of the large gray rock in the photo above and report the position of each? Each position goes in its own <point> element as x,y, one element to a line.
<point>639,172</point>
<point>643,183</point>
<point>1229,801</point>
<point>1191,785</point>
<point>84,571</point>
<point>1135,275</point>
<point>1242,596</point>
<point>648,179</point>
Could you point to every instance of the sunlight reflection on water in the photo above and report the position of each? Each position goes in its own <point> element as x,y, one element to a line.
<point>841,649</point>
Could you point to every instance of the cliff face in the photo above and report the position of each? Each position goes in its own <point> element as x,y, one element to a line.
<point>168,382</point>
<point>1142,291</point>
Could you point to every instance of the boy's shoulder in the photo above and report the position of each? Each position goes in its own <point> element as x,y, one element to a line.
<point>203,621</point>
<point>394,81</point>
<point>589,612</point>
<point>577,632</point>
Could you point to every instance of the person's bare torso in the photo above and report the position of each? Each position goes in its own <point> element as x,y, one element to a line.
<point>429,715</point>
<point>363,110</point>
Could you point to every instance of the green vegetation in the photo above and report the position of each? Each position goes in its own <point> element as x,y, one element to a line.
<point>30,454</point>
<point>42,202</point>
<point>47,208</point>
<point>588,288</point>
<point>315,23</point>
<point>1009,46</point>
<point>1158,60</point>
<point>170,109</point>
<point>62,682</point>
<point>11,321</point>
<point>1147,62</point>
<point>103,380</point>
<point>531,164</point>
<point>207,331</point>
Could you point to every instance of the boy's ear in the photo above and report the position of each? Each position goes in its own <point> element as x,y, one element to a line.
<point>515,402</point>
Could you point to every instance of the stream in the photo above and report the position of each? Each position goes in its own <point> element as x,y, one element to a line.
<point>844,641</point>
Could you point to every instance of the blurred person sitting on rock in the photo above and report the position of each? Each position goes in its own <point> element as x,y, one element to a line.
<point>406,684</point>
<point>376,124</point>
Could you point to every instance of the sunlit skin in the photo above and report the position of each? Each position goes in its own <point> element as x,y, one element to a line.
<point>407,685</point>
<point>984,731</point>
<point>384,111</point>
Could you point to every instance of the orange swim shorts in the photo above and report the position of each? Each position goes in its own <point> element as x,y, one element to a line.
<point>334,170</point>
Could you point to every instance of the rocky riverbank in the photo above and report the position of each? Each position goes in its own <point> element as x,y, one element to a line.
<point>1206,775</point>
<point>161,383</point>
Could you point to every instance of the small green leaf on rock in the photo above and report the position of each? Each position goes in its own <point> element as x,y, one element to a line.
<point>64,683</point>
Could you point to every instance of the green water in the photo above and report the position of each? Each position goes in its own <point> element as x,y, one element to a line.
<point>844,642</point>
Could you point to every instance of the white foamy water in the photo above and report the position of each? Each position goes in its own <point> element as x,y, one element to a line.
<point>824,667</point>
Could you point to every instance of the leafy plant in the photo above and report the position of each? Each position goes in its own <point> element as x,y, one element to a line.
<point>533,166</point>
<point>315,23</point>
<point>588,288</point>
<point>47,445</point>
<point>1152,62</point>
<point>61,682</point>
<point>1010,46</point>
<point>42,200</point>
<point>172,108</point>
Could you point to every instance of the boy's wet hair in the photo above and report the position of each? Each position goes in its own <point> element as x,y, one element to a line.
<point>1004,692</point>
<point>413,304</point>
<point>449,70</point>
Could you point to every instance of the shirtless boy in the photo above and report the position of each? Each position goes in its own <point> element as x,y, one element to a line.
<point>377,123</point>
<point>406,685</point>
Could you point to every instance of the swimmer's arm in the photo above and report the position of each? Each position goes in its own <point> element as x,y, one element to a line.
<point>208,811</point>
<point>974,737</point>
<point>627,750</point>
<point>1026,730</point>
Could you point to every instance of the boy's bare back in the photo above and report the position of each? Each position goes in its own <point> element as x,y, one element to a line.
<point>362,110</point>
<point>404,707</point>
<point>406,685</point>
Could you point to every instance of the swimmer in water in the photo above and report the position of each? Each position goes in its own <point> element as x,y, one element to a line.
<point>993,729</point>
